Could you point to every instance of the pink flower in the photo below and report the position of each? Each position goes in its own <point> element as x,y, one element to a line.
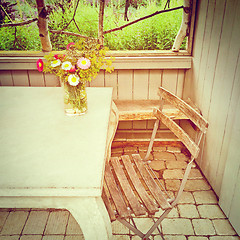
<point>83,63</point>
<point>59,56</point>
<point>70,44</point>
<point>72,70</point>
<point>40,65</point>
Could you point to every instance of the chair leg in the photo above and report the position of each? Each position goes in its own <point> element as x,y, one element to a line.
<point>155,128</point>
<point>155,225</point>
<point>159,229</point>
<point>132,228</point>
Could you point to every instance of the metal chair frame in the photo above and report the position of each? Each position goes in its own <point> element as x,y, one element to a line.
<point>192,145</point>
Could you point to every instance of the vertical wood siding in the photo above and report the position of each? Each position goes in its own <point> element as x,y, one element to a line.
<point>128,84</point>
<point>215,86</point>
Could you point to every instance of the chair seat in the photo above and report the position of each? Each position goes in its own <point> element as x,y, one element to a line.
<point>130,188</point>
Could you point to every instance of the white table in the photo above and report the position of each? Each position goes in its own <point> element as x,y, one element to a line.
<point>50,160</point>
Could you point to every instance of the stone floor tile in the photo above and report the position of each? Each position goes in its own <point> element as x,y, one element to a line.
<point>186,197</point>
<point>172,185</point>
<point>31,237</point>
<point>197,185</point>
<point>205,197</point>
<point>223,227</point>
<point>188,211</point>
<point>36,222</point>
<point>181,157</point>
<point>167,156</point>
<point>74,237</point>
<point>157,165</point>
<point>15,237</point>
<point>224,238</point>
<point>174,149</point>
<point>14,223</point>
<point>143,154</point>
<point>53,237</point>
<point>173,174</point>
<point>197,238</point>
<point>195,174</point>
<point>176,164</point>
<point>3,217</point>
<point>203,227</point>
<point>121,237</point>
<point>117,150</point>
<point>179,226</point>
<point>173,213</point>
<point>119,228</point>
<point>130,150</point>
<point>172,237</point>
<point>142,148</point>
<point>73,227</point>
<point>144,224</point>
<point>57,222</point>
<point>159,148</point>
<point>210,211</point>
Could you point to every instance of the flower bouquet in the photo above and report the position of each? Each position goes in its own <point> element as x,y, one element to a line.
<point>79,64</point>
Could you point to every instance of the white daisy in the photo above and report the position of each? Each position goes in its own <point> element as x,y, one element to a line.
<point>55,63</point>
<point>66,65</point>
<point>73,80</point>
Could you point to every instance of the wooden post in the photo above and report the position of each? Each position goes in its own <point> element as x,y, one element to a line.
<point>184,26</point>
<point>43,26</point>
<point>100,24</point>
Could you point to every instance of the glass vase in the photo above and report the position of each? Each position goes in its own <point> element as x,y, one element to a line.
<point>75,99</point>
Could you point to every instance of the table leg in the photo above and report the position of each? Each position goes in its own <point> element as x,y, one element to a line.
<point>92,217</point>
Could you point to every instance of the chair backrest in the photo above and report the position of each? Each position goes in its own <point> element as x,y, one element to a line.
<point>191,113</point>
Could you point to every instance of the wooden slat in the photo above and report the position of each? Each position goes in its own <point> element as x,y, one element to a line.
<point>108,204</point>
<point>150,182</point>
<point>179,132</point>
<point>191,113</point>
<point>127,189</point>
<point>115,194</point>
<point>147,201</point>
<point>143,110</point>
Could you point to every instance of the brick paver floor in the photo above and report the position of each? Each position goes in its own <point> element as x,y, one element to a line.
<point>197,216</point>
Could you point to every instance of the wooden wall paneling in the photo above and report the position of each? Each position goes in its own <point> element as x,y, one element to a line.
<point>208,78</point>
<point>231,77</point>
<point>99,80</point>
<point>230,192</point>
<point>125,84</point>
<point>111,80</point>
<point>140,92</point>
<point>6,78</point>
<point>202,7</point>
<point>20,78</point>
<point>234,214</point>
<point>221,95</point>
<point>214,51</point>
<point>155,81</point>
<point>180,83</point>
<point>169,79</point>
<point>36,79</point>
<point>51,80</point>
<point>140,84</point>
<point>205,50</point>
<point>125,92</point>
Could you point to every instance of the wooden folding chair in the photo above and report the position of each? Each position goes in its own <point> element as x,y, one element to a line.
<point>130,189</point>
